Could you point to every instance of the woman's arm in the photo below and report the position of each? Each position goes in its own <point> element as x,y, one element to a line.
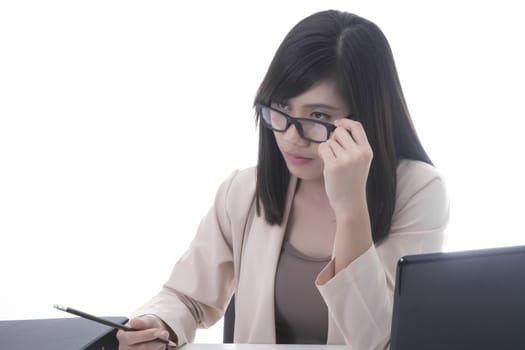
<point>359,296</point>
<point>202,281</point>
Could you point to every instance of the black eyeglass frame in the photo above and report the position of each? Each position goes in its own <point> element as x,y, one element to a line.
<point>296,122</point>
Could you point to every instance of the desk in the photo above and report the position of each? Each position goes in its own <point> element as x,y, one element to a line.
<point>260,347</point>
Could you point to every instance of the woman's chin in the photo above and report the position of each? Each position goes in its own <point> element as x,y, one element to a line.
<point>304,172</point>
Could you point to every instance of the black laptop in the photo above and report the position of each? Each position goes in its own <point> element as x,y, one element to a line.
<point>460,300</point>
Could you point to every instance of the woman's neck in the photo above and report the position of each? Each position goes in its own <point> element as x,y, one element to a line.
<point>311,226</point>
<point>313,191</point>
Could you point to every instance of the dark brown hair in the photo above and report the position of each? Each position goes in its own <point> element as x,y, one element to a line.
<point>354,53</point>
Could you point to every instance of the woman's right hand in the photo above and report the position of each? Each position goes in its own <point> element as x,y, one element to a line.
<point>149,327</point>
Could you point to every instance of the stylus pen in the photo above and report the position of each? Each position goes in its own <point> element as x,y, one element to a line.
<point>107,322</point>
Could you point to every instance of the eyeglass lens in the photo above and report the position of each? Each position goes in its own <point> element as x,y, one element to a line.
<point>311,129</point>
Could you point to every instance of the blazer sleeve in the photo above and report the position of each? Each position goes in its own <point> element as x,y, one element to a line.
<point>360,297</point>
<point>202,281</point>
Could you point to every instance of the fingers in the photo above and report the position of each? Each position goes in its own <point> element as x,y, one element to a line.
<point>348,145</point>
<point>147,335</point>
<point>353,131</point>
<point>148,329</point>
<point>145,322</point>
<point>338,146</point>
<point>326,153</point>
<point>349,140</point>
<point>341,142</point>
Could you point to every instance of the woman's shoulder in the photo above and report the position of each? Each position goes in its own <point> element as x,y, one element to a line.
<point>416,172</point>
<point>238,189</point>
<point>416,177</point>
<point>242,180</point>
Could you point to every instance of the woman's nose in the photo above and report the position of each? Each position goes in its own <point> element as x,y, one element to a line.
<point>292,135</point>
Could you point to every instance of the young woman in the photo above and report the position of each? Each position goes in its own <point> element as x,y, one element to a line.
<point>309,239</point>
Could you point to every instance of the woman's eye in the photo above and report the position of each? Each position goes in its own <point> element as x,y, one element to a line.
<point>319,115</point>
<point>282,105</point>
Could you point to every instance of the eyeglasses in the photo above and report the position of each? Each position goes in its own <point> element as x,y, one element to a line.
<point>309,129</point>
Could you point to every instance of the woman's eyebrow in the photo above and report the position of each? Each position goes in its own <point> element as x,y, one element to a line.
<point>320,105</point>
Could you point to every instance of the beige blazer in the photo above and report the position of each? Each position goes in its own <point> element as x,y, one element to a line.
<point>235,250</point>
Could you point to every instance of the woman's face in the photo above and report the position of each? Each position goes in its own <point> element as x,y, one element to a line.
<point>321,102</point>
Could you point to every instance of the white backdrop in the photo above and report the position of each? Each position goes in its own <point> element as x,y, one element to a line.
<point>119,119</point>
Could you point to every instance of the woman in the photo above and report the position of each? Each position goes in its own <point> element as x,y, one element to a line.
<point>309,239</point>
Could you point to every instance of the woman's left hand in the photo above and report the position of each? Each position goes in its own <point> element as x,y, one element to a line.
<point>347,156</point>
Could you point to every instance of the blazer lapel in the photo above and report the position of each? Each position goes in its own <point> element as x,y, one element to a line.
<point>256,289</point>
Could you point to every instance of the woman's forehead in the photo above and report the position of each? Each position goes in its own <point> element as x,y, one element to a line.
<point>322,95</point>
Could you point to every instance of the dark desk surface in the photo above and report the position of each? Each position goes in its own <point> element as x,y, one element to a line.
<point>58,334</point>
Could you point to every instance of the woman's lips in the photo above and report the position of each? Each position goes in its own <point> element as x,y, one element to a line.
<point>295,159</point>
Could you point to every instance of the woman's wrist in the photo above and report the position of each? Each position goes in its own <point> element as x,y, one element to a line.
<point>353,234</point>
<point>354,211</point>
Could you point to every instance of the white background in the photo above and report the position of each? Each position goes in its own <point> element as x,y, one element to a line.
<point>119,119</point>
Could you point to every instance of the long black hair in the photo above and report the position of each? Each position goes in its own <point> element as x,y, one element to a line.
<point>353,52</point>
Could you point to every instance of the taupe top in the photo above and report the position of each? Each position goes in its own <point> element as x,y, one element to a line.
<point>301,315</point>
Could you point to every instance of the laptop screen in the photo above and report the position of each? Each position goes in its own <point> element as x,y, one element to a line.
<point>460,300</point>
